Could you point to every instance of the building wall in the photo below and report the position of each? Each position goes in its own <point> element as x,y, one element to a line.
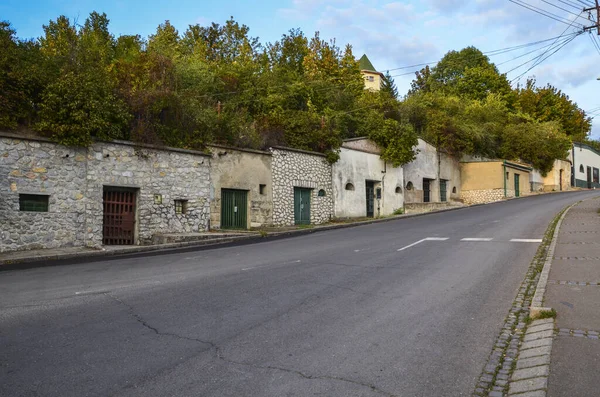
<point>356,167</point>
<point>583,155</point>
<point>536,181</point>
<point>74,179</point>
<point>39,167</point>
<point>552,181</point>
<point>295,168</point>
<point>243,170</point>
<point>374,85</point>
<point>171,174</point>
<point>363,144</point>
<point>483,181</point>
<point>482,175</point>
<point>426,166</point>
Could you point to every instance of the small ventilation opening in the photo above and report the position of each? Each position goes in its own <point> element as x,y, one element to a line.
<point>349,186</point>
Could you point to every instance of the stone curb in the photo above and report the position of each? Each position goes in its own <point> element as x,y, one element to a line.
<point>530,377</point>
<point>538,296</point>
<point>162,249</point>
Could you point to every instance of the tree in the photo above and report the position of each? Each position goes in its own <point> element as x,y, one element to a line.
<point>536,143</point>
<point>81,101</point>
<point>548,103</point>
<point>388,86</point>
<point>467,73</point>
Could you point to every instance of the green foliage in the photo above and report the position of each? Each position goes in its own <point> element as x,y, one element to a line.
<point>388,86</point>
<point>536,143</point>
<point>217,83</point>
<point>550,104</point>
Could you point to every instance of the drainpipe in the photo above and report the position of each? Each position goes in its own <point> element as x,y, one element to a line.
<point>504,176</point>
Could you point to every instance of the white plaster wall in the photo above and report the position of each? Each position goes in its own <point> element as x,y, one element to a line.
<point>587,158</point>
<point>450,171</point>
<point>358,167</point>
<point>426,166</point>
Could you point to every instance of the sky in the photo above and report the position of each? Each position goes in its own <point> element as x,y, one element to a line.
<point>394,34</point>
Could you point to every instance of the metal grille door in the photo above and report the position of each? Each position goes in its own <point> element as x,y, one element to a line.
<point>517,188</point>
<point>119,217</point>
<point>234,209</point>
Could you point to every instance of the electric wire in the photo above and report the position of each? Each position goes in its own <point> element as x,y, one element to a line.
<point>564,9</point>
<point>540,60</point>
<point>542,12</point>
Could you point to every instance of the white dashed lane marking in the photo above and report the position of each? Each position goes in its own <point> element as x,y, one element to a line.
<point>473,239</point>
<point>425,239</point>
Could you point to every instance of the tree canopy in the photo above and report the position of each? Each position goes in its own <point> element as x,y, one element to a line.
<point>208,84</point>
<point>219,84</point>
<point>463,105</point>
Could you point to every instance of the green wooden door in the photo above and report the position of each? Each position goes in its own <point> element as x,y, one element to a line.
<point>301,206</point>
<point>234,209</point>
<point>443,191</point>
<point>517,190</point>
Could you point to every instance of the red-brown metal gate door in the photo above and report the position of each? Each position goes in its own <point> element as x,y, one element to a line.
<point>119,217</point>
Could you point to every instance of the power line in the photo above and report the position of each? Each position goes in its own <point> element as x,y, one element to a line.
<point>540,60</point>
<point>570,4</point>
<point>564,9</point>
<point>537,57</point>
<point>595,43</point>
<point>541,11</point>
<point>527,53</point>
<point>584,3</point>
<point>490,53</point>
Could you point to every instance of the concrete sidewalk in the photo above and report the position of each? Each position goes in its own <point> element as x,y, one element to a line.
<point>573,290</point>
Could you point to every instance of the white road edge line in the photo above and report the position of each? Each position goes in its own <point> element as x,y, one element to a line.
<point>477,239</point>
<point>425,239</point>
<point>526,240</point>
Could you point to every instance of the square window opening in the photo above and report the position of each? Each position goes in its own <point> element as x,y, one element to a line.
<point>181,206</point>
<point>262,189</point>
<point>33,202</point>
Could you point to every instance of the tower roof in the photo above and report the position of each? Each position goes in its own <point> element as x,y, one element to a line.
<point>365,64</point>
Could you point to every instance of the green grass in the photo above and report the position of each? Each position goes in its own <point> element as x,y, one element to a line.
<point>545,314</point>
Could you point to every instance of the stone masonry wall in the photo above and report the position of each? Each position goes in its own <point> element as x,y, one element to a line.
<point>483,196</point>
<point>172,175</point>
<point>75,178</point>
<point>293,168</point>
<point>34,167</point>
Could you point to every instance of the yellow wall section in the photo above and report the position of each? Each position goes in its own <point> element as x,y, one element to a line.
<point>481,175</point>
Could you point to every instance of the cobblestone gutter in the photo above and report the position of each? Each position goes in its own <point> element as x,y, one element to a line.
<point>519,362</point>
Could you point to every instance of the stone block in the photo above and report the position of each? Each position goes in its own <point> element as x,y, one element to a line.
<point>528,385</point>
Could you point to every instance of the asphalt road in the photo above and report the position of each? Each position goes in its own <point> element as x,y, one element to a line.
<point>335,313</point>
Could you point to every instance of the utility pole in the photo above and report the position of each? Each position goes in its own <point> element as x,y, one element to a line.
<point>597,25</point>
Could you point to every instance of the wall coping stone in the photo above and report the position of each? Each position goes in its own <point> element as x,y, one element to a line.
<point>289,149</point>
<point>255,151</point>
<point>11,135</point>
